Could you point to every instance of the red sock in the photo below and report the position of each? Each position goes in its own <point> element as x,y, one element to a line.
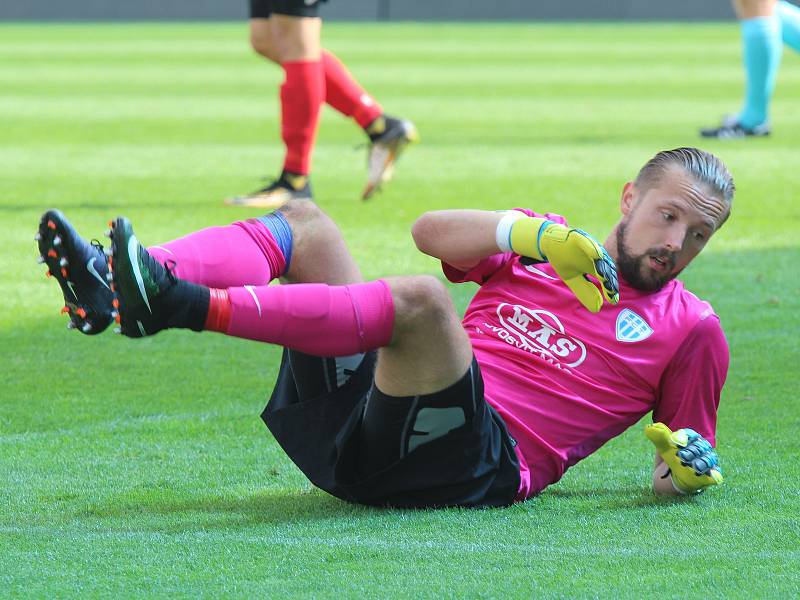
<point>302,94</point>
<point>344,94</point>
<point>219,311</point>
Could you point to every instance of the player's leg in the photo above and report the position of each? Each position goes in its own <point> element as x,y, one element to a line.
<point>260,37</point>
<point>278,40</point>
<point>789,15</point>
<point>298,242</point>
<point>388,135</point>
<point>292,36</point>
<point>342,91</point>
<point>314,318</point>
<point>761,49</point>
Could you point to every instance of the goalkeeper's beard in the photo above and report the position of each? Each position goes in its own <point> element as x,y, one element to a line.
<point>635,269</point>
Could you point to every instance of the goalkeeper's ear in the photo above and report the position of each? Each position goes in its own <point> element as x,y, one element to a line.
<point>628,198</point>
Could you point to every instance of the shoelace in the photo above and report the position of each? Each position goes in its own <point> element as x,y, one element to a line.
<point>95,243</point>
<point>169,267</point>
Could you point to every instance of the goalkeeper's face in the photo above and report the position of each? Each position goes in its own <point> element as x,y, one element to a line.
<point>663,228</point>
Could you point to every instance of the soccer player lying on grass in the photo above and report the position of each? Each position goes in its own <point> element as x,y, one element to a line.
<point>385,397</point>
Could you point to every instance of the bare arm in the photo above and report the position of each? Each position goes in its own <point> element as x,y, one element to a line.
<point>461,238</point>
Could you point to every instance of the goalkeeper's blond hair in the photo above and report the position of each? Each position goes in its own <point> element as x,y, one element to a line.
<point>704,167</point>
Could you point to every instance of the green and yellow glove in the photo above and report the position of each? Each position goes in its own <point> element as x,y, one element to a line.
<point>573,253</point>
<point>692,461</point>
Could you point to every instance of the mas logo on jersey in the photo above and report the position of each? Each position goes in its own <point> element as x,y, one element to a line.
<point>631,327</point>
<point>539,332</point>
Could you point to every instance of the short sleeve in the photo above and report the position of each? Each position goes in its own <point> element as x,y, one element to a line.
<point>690,388</point>
<point>481,272</point>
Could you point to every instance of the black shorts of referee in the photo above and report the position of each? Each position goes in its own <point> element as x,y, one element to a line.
<point>450,448</point>
<point>262,9</point>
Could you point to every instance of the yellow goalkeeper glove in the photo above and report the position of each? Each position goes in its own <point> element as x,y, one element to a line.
<point>573,253</point>
<point>692,461</point>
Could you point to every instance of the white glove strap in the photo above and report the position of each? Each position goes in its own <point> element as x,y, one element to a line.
<point>503,233</point>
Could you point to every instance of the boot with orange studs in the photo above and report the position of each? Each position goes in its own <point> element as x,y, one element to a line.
<point>81,270</point>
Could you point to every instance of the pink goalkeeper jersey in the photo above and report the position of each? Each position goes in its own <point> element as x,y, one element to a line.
<point>566,381</point>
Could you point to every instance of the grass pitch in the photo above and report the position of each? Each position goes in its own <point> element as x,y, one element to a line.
<point>142,469</point>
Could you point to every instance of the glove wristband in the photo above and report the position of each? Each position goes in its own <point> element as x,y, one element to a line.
<point>503,232</point>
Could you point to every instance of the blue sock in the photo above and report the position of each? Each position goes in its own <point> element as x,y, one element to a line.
<point>762,45</point>
<point>279,228</point>
<point>789,15</point>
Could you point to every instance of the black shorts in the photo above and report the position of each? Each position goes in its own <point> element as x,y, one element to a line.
<point>469,461</point>
<point>262,9</point>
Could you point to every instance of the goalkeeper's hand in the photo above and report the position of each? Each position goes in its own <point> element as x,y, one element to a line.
<point>573,253</point>
<point>691,459</point>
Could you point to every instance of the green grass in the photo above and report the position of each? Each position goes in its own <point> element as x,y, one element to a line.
<point>142,469</point>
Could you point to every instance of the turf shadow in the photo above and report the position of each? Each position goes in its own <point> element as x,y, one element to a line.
<point>614,499</point>
<point>228,510</point>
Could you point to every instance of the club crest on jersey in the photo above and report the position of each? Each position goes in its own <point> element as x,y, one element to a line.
<point>539,332</point>
<point>631,327</point>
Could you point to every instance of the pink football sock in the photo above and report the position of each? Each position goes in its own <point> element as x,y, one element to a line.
<point>314,318</point>
<point>244,253</point>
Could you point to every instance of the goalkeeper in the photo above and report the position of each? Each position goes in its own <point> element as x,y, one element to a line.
<point>386,397</point>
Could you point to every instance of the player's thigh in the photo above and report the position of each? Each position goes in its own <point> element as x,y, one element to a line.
<point>430,349</point>
<point>750,9</point>
<point>261,39</point>
<point>392,427</point>
<point>296,37</point>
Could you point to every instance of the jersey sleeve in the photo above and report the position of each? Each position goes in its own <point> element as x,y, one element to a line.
<point>692,382</point>
<point>481,272</point>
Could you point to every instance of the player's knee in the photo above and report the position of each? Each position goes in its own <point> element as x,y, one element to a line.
<point>421,300</point>
<point>302,211</point>
<point>309,223</point>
